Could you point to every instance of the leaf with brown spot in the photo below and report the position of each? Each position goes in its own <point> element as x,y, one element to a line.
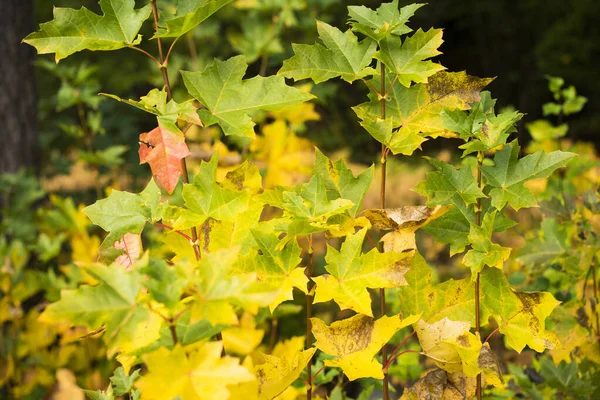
<point>163,150</point>
<point>351,272</point>
<point>521,316</point>
<point>277,373</point>
<point>356,341</point>
<point>450,345</point>
<point>131,244</point>
<point>416,110</point>
<point>404,221</point>
<point>438,385</point>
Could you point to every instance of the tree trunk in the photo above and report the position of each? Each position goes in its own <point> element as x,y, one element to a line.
<point>19,147</point>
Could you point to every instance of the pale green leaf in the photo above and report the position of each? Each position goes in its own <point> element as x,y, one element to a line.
<point>231,101</point>
<point>75,30</point>
<point>189,14</point>
<point>342,56</point>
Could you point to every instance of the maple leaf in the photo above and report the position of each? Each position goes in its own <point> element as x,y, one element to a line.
<point>122,213</point>
<point>416,110</point>
<point>231,101</point>
<point>450,345</point>
<point>340,180</point>
<point>75,30</point>
<point>217,289</point>
<point>454,227</point>
<point>441,385</point>
<point>382,130</point>
<point>407,60</point>
<point>111,303</point>
<point>205,198</point>
<point>188,15</point>
<point>342,56</point>
<point>520,316</point>
<point>278,267</point>
<point>277,373</point>
<point>351,273</point>
<point>509,174</point>
<point>483,251</point>
<point>164,150</point>
<point>307,208</point>
<point>452,299</point>
<point>200,375</point>
<point>404,222</point>
<point>244,338</point>
<point>355,341</point>
<point>381,23</point>
<point>443,185</point>
<point>167,111</point>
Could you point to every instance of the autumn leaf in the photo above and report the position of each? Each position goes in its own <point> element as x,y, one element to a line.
<point>163,150</point>
<point>200,375</point>
<point>351,272</point>
<point>355,341</point>
<point>131,245</point>
<point>277,373</point>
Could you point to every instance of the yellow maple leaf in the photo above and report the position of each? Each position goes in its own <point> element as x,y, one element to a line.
<point>356,341</point>
<point>200,375</point>
<point>243,339</point>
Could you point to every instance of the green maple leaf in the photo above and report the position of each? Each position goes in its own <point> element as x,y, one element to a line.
<point>342,56</point>
<point>205,198</point>
<point>398,141</point>
<point>341,182</point>
<point>444,185</point>
<point>75,30</point>
<point>278,267</point>
<point>452,299</point>
<point>122,382</point>
<point>520,316</point>
<point>218,288</point>
<point>124,212</point>
<point>188,15</point>
<point>509,174</point>
<point>417,110</point>
<point>483,251</point>
<point>407,60</point>
<point>112,304</point>
<point>307,208</point>
<point>454,227</point>
<point>385,21</point>
<point>351,272</point>
<point>493,132</point>
<point>231,101</point>
<point>166,111</point>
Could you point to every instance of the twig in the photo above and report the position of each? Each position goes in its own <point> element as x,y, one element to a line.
<point>147,54</point>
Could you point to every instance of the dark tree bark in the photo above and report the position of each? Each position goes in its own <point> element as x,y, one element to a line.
<point>19,147</point>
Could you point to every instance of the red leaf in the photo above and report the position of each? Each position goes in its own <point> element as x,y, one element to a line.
<point>163,150</point>
<point>131,244</point>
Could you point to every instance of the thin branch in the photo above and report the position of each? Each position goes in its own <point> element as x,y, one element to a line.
<point>389,89</point>
<point>478,222</point>
<point>147,54</point>
<point>490,335</point>
<point>170,49</point>
<point>309,300</point>
<point>312,379</point>
<point>391,360</point>
<point>188,238</point>
<point>370,241</point>
<point>371,87</point>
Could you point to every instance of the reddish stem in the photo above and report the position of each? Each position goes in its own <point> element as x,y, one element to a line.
<point>188,238</point>
<point>312,379</point>
<point>391,360</point>
<point>490,335</point>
